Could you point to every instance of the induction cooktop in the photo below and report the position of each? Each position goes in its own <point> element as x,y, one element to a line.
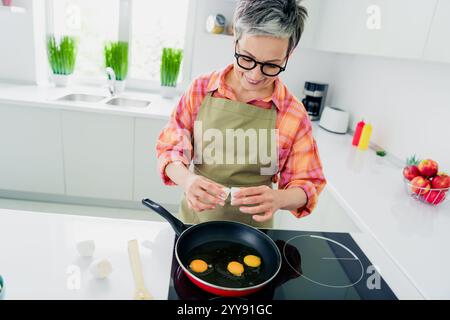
<point>316,265</point>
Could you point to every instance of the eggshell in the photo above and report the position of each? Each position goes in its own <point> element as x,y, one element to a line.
<point>86,248</point>
<point>233,191</point>
<point>227,192</point>
<point>101,268</point>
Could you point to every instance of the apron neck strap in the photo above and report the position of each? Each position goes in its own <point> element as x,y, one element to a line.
<point>210,95</point>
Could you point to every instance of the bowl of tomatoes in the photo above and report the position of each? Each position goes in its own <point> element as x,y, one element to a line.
<point>424,181</point>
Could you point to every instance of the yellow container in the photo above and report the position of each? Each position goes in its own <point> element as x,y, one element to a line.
<point>215,23</point>
<point>365,137</point>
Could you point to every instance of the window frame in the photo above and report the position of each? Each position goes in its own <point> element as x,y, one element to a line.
<point>125,34</point>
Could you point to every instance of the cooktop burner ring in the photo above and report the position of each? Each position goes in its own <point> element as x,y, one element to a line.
<point>355,258</point>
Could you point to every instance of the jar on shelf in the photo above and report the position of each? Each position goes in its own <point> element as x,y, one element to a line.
<point>215,23</point>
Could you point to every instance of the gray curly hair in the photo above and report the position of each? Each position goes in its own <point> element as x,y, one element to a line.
<point>278,18</point>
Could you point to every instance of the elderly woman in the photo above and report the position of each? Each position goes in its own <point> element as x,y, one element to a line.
<point>246,98</point>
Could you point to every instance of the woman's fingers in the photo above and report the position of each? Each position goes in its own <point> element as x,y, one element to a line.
<point>203,194</point>
<point>261,213</point>
<point>264,217</point>
<point>207,198</point>
<point>250,191</point>
<point>199,206</point>
<point>256,209</point>
<point>191,205</point>
<point>213,188</point>
<point>249,200</point>
<point>260,202</point>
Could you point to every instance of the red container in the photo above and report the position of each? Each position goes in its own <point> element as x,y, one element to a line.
<point>358,131</point>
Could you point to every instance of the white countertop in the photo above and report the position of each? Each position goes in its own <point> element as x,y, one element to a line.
<point>39,260</point>
<point>45,97</point>
<point>416,236</point>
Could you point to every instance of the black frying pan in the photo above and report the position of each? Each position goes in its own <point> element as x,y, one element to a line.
<point>226,233</point>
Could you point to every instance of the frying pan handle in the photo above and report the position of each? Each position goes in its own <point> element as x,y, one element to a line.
<point>176,224</point>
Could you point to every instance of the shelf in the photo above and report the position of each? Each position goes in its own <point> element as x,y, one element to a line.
<point>219,35</point>
<point>12,9</point>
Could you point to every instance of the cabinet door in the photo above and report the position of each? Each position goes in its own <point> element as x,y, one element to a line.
<point>31,150</point>
<point>210,51</point>
<point>98,155</point>
<point>313,21</point>
<point>396,28</point>
<point>148,183</point>
<point>438,45</point>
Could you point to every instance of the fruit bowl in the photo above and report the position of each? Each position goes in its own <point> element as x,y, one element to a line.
<point>431,196</point>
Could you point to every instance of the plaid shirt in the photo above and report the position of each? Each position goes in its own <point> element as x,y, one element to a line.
<point>299,162</point>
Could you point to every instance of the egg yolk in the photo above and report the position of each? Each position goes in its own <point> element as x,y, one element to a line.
<point>198,266</point>
<point>252,261</point>
<point>235,268</point>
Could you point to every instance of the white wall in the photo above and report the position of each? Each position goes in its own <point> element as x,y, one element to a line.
<point>407,101</point>
<point>22,53</point>
<point>309,65</point>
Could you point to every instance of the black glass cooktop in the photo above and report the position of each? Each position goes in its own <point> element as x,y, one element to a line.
<point>316,265</point>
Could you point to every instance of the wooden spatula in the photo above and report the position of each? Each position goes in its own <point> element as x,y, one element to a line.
<point>140,293</point>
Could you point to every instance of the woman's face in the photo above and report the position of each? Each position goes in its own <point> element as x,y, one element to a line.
<point>262,49</point>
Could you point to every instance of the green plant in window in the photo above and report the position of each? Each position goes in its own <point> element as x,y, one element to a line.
<point>170,66</point>
<point>62,54</point>
<point>116,57</point>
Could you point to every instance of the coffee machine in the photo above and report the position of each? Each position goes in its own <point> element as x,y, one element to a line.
<point>314,100</point>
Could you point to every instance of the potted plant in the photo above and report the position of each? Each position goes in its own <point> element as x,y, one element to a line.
<point>170,69</point>
<point>62,56</point>
<point>116,58</point>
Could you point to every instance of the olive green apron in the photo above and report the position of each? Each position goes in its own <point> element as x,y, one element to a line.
<point>219,115</point>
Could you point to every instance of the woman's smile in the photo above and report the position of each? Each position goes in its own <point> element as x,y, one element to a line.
<point>253,82</point>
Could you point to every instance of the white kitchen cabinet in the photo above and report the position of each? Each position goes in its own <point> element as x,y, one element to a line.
<point>98,155</point>
<point>30,150</point>
<point>438,45</point>
<point>308,38</point>
<point>210,51</point>
<point>147,180</point>
<point>397,28</point>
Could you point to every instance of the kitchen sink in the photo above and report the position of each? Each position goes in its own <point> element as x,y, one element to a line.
<point>117,101</point>
<point>81,97</point>
<point>126,102</point>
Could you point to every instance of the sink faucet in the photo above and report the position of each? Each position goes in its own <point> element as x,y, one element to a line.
<point>111,81</point>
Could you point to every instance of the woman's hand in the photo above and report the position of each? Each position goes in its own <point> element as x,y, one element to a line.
<point>203,194</point>
<point>265,202</point>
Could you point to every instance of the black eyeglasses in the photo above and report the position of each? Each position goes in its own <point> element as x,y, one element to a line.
<point>248,63</point>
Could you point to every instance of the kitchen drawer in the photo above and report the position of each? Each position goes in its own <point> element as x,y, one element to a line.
<point>98,155</point>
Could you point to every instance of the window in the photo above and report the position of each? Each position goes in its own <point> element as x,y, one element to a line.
<point>93,22</point>
<point>148,27</point>
<point>154,25</point>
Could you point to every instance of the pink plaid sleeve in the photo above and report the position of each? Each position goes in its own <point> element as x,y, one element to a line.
<point>303,168</point>
<point>175,140</point>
